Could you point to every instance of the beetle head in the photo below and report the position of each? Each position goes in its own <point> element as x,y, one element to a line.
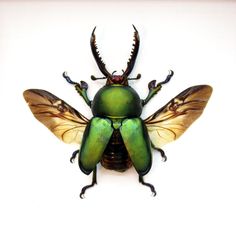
<point>111,78</point>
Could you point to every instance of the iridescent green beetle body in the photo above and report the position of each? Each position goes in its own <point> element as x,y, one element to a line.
<point>116,108</point>
<point>116,136</point>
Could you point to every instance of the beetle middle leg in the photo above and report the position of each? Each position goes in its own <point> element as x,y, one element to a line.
<point>163,155</point>
<point>94,181</point>
<point>141,180</point>
<point>74,155</point>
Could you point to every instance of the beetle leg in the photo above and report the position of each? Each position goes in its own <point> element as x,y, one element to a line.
<point>153,88</point>
<point>148,185</point>
<point>81,88</point>
<point>94,181</point>
<point>163,155</point>
<point>169,76</point>
<point>74,155</point>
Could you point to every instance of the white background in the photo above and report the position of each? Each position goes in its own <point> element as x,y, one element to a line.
<point>195,187</point>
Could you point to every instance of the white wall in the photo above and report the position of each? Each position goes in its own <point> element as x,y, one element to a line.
<point>195,187</point>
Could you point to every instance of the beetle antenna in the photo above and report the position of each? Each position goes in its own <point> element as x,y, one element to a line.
<point>95,78</point>
<point>135,78</point>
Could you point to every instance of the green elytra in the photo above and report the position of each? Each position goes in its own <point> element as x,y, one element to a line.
<point>116,107</point>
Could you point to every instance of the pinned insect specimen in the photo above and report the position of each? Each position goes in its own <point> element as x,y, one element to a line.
<point>116,136</point>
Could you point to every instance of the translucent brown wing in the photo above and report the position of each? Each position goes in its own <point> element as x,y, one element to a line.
<point>171,121</point>
<point>62,119</point>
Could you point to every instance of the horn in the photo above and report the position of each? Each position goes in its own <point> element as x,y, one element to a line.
<point>96,55</point>
<point>134,53</point>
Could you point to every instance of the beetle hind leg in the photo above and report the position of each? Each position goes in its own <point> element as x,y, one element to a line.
<point>141,180</point>
<point>94,181</point>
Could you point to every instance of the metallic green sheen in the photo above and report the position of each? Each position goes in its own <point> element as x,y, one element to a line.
<point>117,101</point>
<point>137,143</point>
<point>95,139</point>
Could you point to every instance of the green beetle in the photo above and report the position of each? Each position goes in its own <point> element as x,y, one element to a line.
<point>116,136</point>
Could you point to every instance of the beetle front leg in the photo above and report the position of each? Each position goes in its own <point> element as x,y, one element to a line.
<point>81,88</point>
<point>94,181</point>
<point>141,180</point>
<point>153,88</point>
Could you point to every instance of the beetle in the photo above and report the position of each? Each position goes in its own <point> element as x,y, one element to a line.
<point>116,136</point>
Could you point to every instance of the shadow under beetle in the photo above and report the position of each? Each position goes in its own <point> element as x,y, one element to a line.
<point>116,136</point>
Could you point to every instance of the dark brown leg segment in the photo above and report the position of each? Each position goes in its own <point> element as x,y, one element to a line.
<point>94,181</point>
<point>148,185</point>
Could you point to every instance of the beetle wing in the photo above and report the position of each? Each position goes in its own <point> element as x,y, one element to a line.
<point>170,122</point>
<point>59,117</point>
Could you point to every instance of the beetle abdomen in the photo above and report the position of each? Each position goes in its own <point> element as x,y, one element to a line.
<point>115,156</point>
<point>117,101</point>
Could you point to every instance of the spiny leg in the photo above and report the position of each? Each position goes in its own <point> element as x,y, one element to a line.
<point>74,156</point>
<point>94,181</point>
<point>148,185</point>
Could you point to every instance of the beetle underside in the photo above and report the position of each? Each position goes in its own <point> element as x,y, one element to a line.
<point>115,156</point>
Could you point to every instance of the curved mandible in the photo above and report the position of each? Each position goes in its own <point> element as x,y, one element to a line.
<point>134,53</point>
<point>97,56</point>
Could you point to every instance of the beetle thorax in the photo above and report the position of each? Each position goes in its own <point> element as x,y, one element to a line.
<point>117,101</point>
